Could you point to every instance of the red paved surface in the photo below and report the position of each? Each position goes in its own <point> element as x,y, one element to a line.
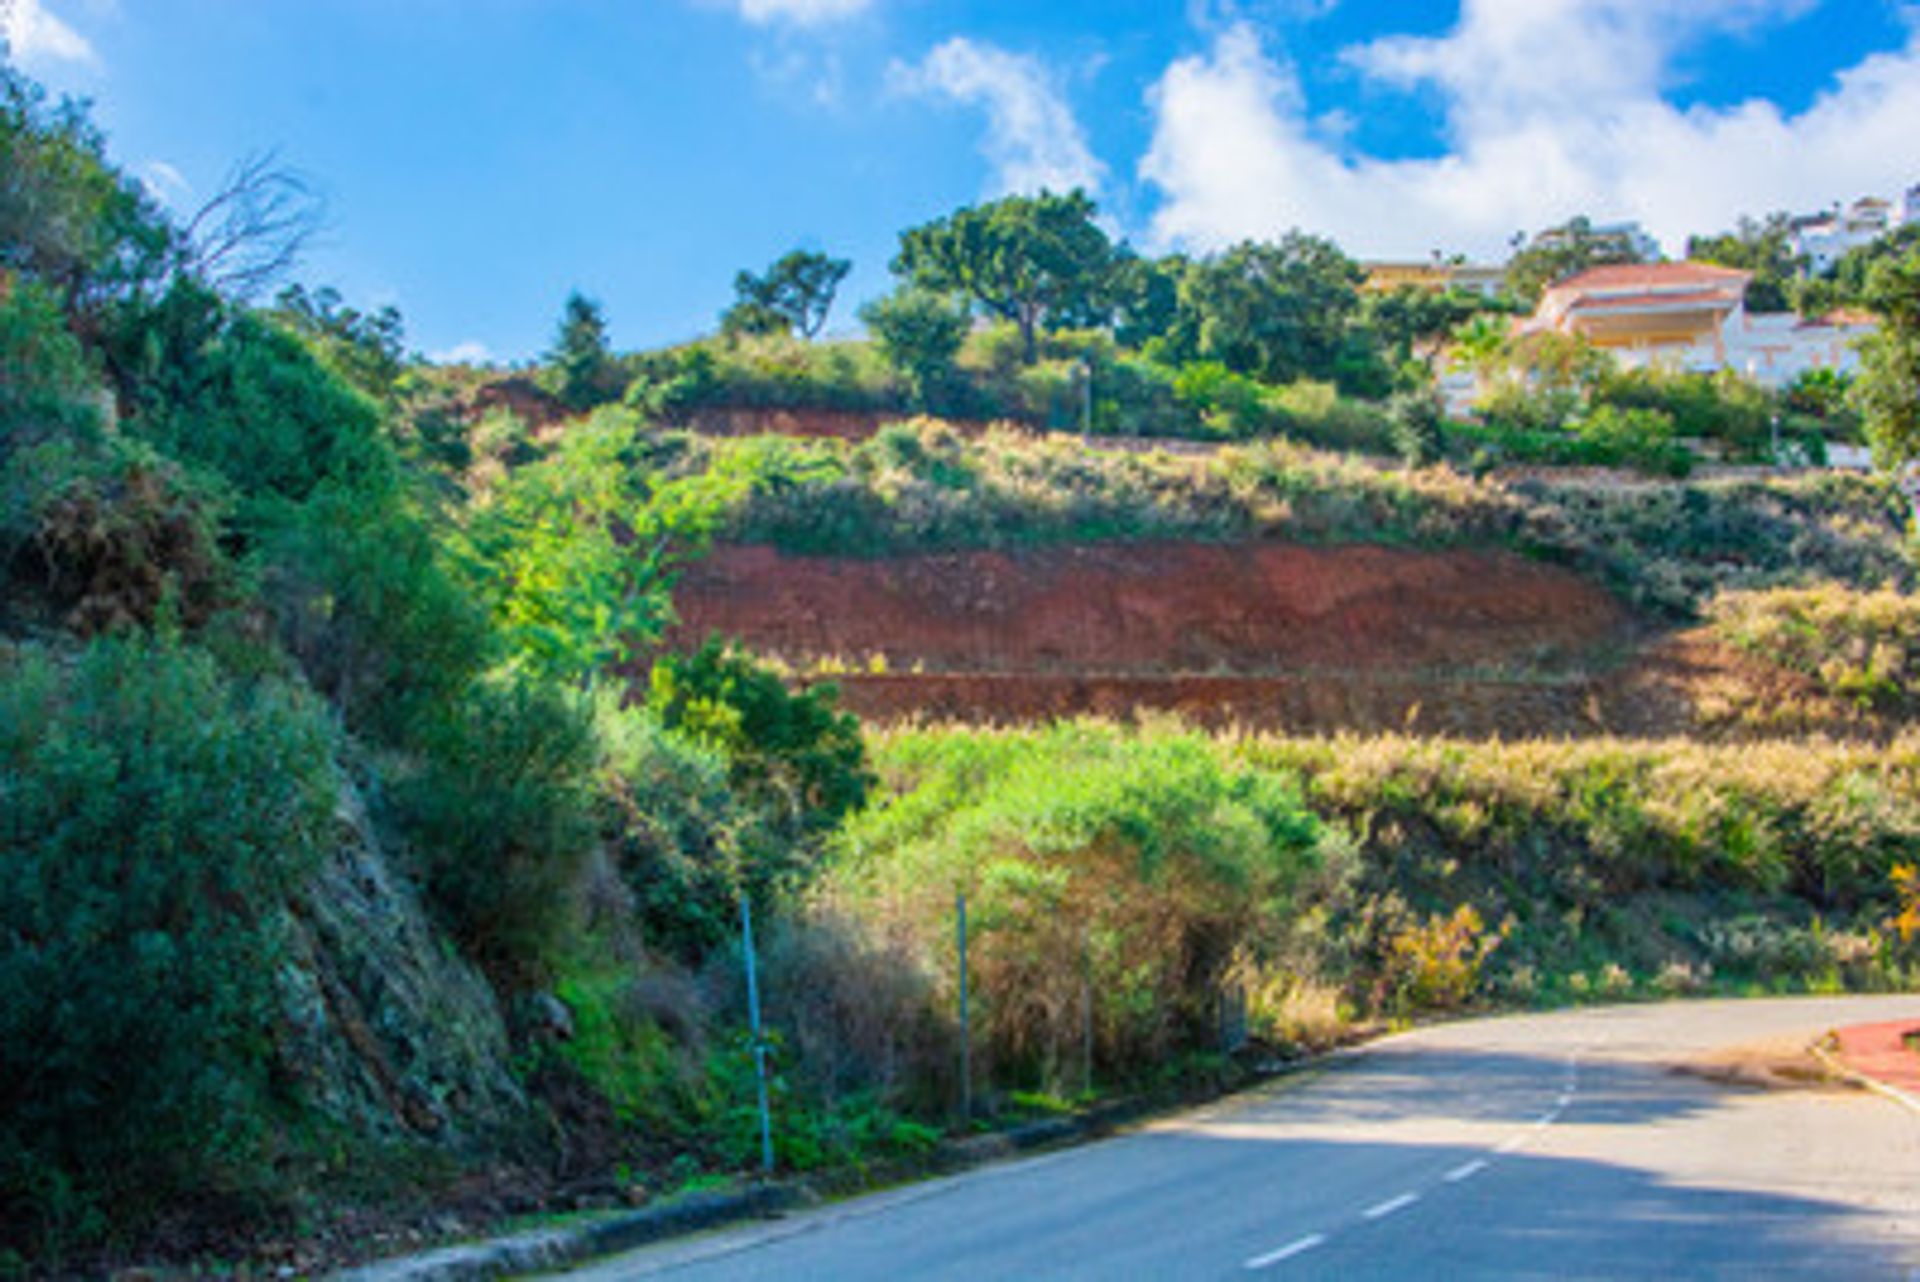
<point>1877,1051</point>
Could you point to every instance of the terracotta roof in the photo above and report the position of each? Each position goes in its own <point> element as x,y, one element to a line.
<point>1601,302</point>
<point>1653,276</point>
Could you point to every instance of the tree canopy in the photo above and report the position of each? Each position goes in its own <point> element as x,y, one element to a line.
<point>1763,248</point>
<point>793,297</point>
<point>1032,260</point>
<point>1887,390</point>
<point>1273,310</point>
<point>582,363</point>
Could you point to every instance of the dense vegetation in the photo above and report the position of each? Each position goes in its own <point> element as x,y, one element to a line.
<point>1346,879</point>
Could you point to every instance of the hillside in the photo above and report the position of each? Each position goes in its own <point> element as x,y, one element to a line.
<point>1007,577</point>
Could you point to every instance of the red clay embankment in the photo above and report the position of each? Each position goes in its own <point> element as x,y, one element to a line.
<point>1466,642</point>
<point>1155,609</point>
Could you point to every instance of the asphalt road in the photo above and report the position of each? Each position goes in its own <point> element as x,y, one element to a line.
<point>1536,1146</point>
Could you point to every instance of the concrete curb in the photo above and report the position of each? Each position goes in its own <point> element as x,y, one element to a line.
<point>1835,1066</point>
<point>545,1250</point>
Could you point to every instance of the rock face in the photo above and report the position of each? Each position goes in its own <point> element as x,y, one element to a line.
<point>390,1033</point>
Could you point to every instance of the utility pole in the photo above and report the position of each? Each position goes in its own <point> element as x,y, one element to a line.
<point>759,1042</point>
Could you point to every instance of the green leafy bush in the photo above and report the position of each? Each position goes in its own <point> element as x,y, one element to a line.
<point>47,386</point>
<point>789,751</point>
<point>1418,427</point>
<point>1131,870</point>
<point>1639,438</point>
<point>684,840</point>
<point>231,391</point>
<point>155,820</point>
<point>499,816</point>
<point>920,334</point>
<point>370,604</point>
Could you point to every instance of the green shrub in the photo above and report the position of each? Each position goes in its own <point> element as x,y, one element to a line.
<point>47,387</point>
<point>1860,646</point>
<point>368,602</point>
<point>1232,405</point>
<point>920,334</point>
<point>229,390</point>
<point>105,534</point>
<point>1317,414</point>
<point>499,817</point>
<point>155,820</point>
<point>1639,438</point>
<point>789,751</point>
<point>1721,407</point>
<point>1134,868</point>
<point>1418,427</point>
<point>684,840</point>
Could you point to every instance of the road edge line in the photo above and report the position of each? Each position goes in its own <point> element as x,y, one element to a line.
<point>1835,1065</point>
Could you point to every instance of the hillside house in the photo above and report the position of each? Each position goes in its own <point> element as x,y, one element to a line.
<point>1687,316</point>
<point>1693,316</point>
<point>1823,239</point>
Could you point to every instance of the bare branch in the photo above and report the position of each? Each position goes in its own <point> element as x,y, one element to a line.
<point>254,229</point>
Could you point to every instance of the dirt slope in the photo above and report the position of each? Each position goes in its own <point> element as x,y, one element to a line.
<point>1157,609</point>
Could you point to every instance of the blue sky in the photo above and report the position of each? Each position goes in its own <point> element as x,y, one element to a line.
<point>482,157</point>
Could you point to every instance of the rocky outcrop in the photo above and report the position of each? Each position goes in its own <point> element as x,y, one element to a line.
<point>389,1032</point>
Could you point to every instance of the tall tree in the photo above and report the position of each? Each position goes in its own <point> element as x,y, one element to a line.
<point>1763,248</point>
<point>1410,316</point>
<point>794,296</point>
<point>1273,310</point>
<point>1887,390</point>
<point>582,364</point>
<point>1032,260</point>
<point>1145,294</point>
<point>67,217</point>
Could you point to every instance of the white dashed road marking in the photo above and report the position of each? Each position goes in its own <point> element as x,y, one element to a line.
<point>1287,1252</point>
<point>1464,1171</point>
<point>1389,1206</point>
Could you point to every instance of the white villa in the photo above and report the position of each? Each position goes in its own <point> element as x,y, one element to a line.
<point>1822,239</point>
<point>1687,316</point>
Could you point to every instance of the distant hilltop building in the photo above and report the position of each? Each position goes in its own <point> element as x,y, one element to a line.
<point>1630,238</point>
<point>1823,239</point>
<point>1486,281</point>
<point>1693,316</point>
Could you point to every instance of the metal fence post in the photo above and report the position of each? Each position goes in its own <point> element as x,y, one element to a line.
<point>759,1042</point>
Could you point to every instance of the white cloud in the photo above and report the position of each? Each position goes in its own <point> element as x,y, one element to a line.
<point>801,13</point>
<point>1551,108</point>
<point>34,35</point>
<point>1033,140</point>
<point>469,352</point>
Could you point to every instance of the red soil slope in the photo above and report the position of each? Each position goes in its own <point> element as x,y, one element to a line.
<point>1360,637</point>
<point>1154,609</point>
